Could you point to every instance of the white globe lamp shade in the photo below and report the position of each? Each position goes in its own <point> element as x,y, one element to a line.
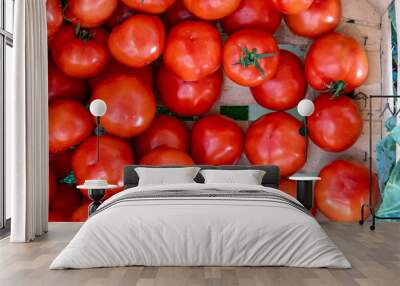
<point>305,107</point>
<point>98,107</point>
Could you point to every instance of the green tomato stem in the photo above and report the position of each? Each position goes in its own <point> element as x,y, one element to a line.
<point>248,58</point>
<point>82,34</point>
<point>337,87</point>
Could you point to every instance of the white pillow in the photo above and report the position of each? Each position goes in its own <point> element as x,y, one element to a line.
<point>247,177</point>
<point>163,176</point>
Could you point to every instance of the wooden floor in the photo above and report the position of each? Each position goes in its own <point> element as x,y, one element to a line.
<point>375,257</point>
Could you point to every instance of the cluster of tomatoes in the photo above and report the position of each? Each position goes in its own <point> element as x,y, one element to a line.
<point>109,50</point>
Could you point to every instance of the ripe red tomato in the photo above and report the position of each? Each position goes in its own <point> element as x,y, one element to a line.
<point>90,13</point>
<point>322,17</point>
<point>59,216</point>
<point>54,17</point>
<point>145,74</point>
<point>115,154</point>
<point>193,50</point>
<point>69,124</point>
<point>336,62</point>
<point>292,6</point>
<point>274,139</point>
<point>131,105</point>
<point>253,14</point>
<point>187,98</point>
<point>121,13</point>
<point>60,163</point>
<point>286,88</point>
<point>250,57</point>
<point>343,189</point>
<point>52,184</point>
<point>81,213</point>
<point>66,199</point>
<point>61,86</point>
<point>336,123</point>
<point>211,9</point>
<point>216,140</point>
<point>176,14</point>
<point>138,41</point>
<point>164,156</point>
<point>80,55</point>
<point>149,6</point>
<point>290,188</point>
<point>165,131</point>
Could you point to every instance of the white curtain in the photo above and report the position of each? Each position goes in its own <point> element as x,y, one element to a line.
<point>26,124</point>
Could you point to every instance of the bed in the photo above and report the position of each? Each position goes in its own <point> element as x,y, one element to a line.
<point>201,224</point>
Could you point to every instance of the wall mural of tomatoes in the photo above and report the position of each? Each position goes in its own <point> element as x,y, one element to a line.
<point>164,131</point>
<point>274,139</point>
<point>322,17</point>
<point>193,50</point>
<point>253,14</point>
<point>343,188</point>
<point>174,75</point>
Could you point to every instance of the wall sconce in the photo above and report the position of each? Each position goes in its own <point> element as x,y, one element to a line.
<point>98,108</point>
<point>305,108</point>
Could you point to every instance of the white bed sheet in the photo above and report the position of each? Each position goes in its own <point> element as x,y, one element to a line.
<point>200,232</point>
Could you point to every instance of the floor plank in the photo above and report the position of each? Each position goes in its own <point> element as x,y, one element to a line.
<point>375,257</point>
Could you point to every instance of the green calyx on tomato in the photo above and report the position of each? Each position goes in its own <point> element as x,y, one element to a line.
<point>84,35</point>
<point>248,58</point>
<point>70,179</point>
<point>336,87</point>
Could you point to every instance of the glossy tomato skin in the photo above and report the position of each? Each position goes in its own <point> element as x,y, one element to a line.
<point>61,86</point>
<point>115,154</point>
<point>144,74</point>
<point>321,18</point>
<point>336,123</point>
<point>121,13</point>
<point>59,216</point>
<point>274,139</point>
<point>211,9</point>
<point>286,88</point>
<point>60,163</point>
<point>149,6</point>
<point>131,105</point>
<point>260,41</point>
<point>54,17</point>
<point>69,124</point>
<point>292,6</point>
<point>253,14</point>
<point>144,32</point>
<point>90,13</point>
<point>165,131</point>
<point>193,50</point>
<point>216,140</point>
<point>290,187</point>
<point>81,213</point>
<point>80,58</point>
<point>52,184</point>
<point>165,156</point>
<point>343,189</point>
<point>176,14</point>
<point>188,98</point>
<point>336,57</point>
<point>66,199</point>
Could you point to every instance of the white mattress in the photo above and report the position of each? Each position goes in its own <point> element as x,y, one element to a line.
<point>206,231</point>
